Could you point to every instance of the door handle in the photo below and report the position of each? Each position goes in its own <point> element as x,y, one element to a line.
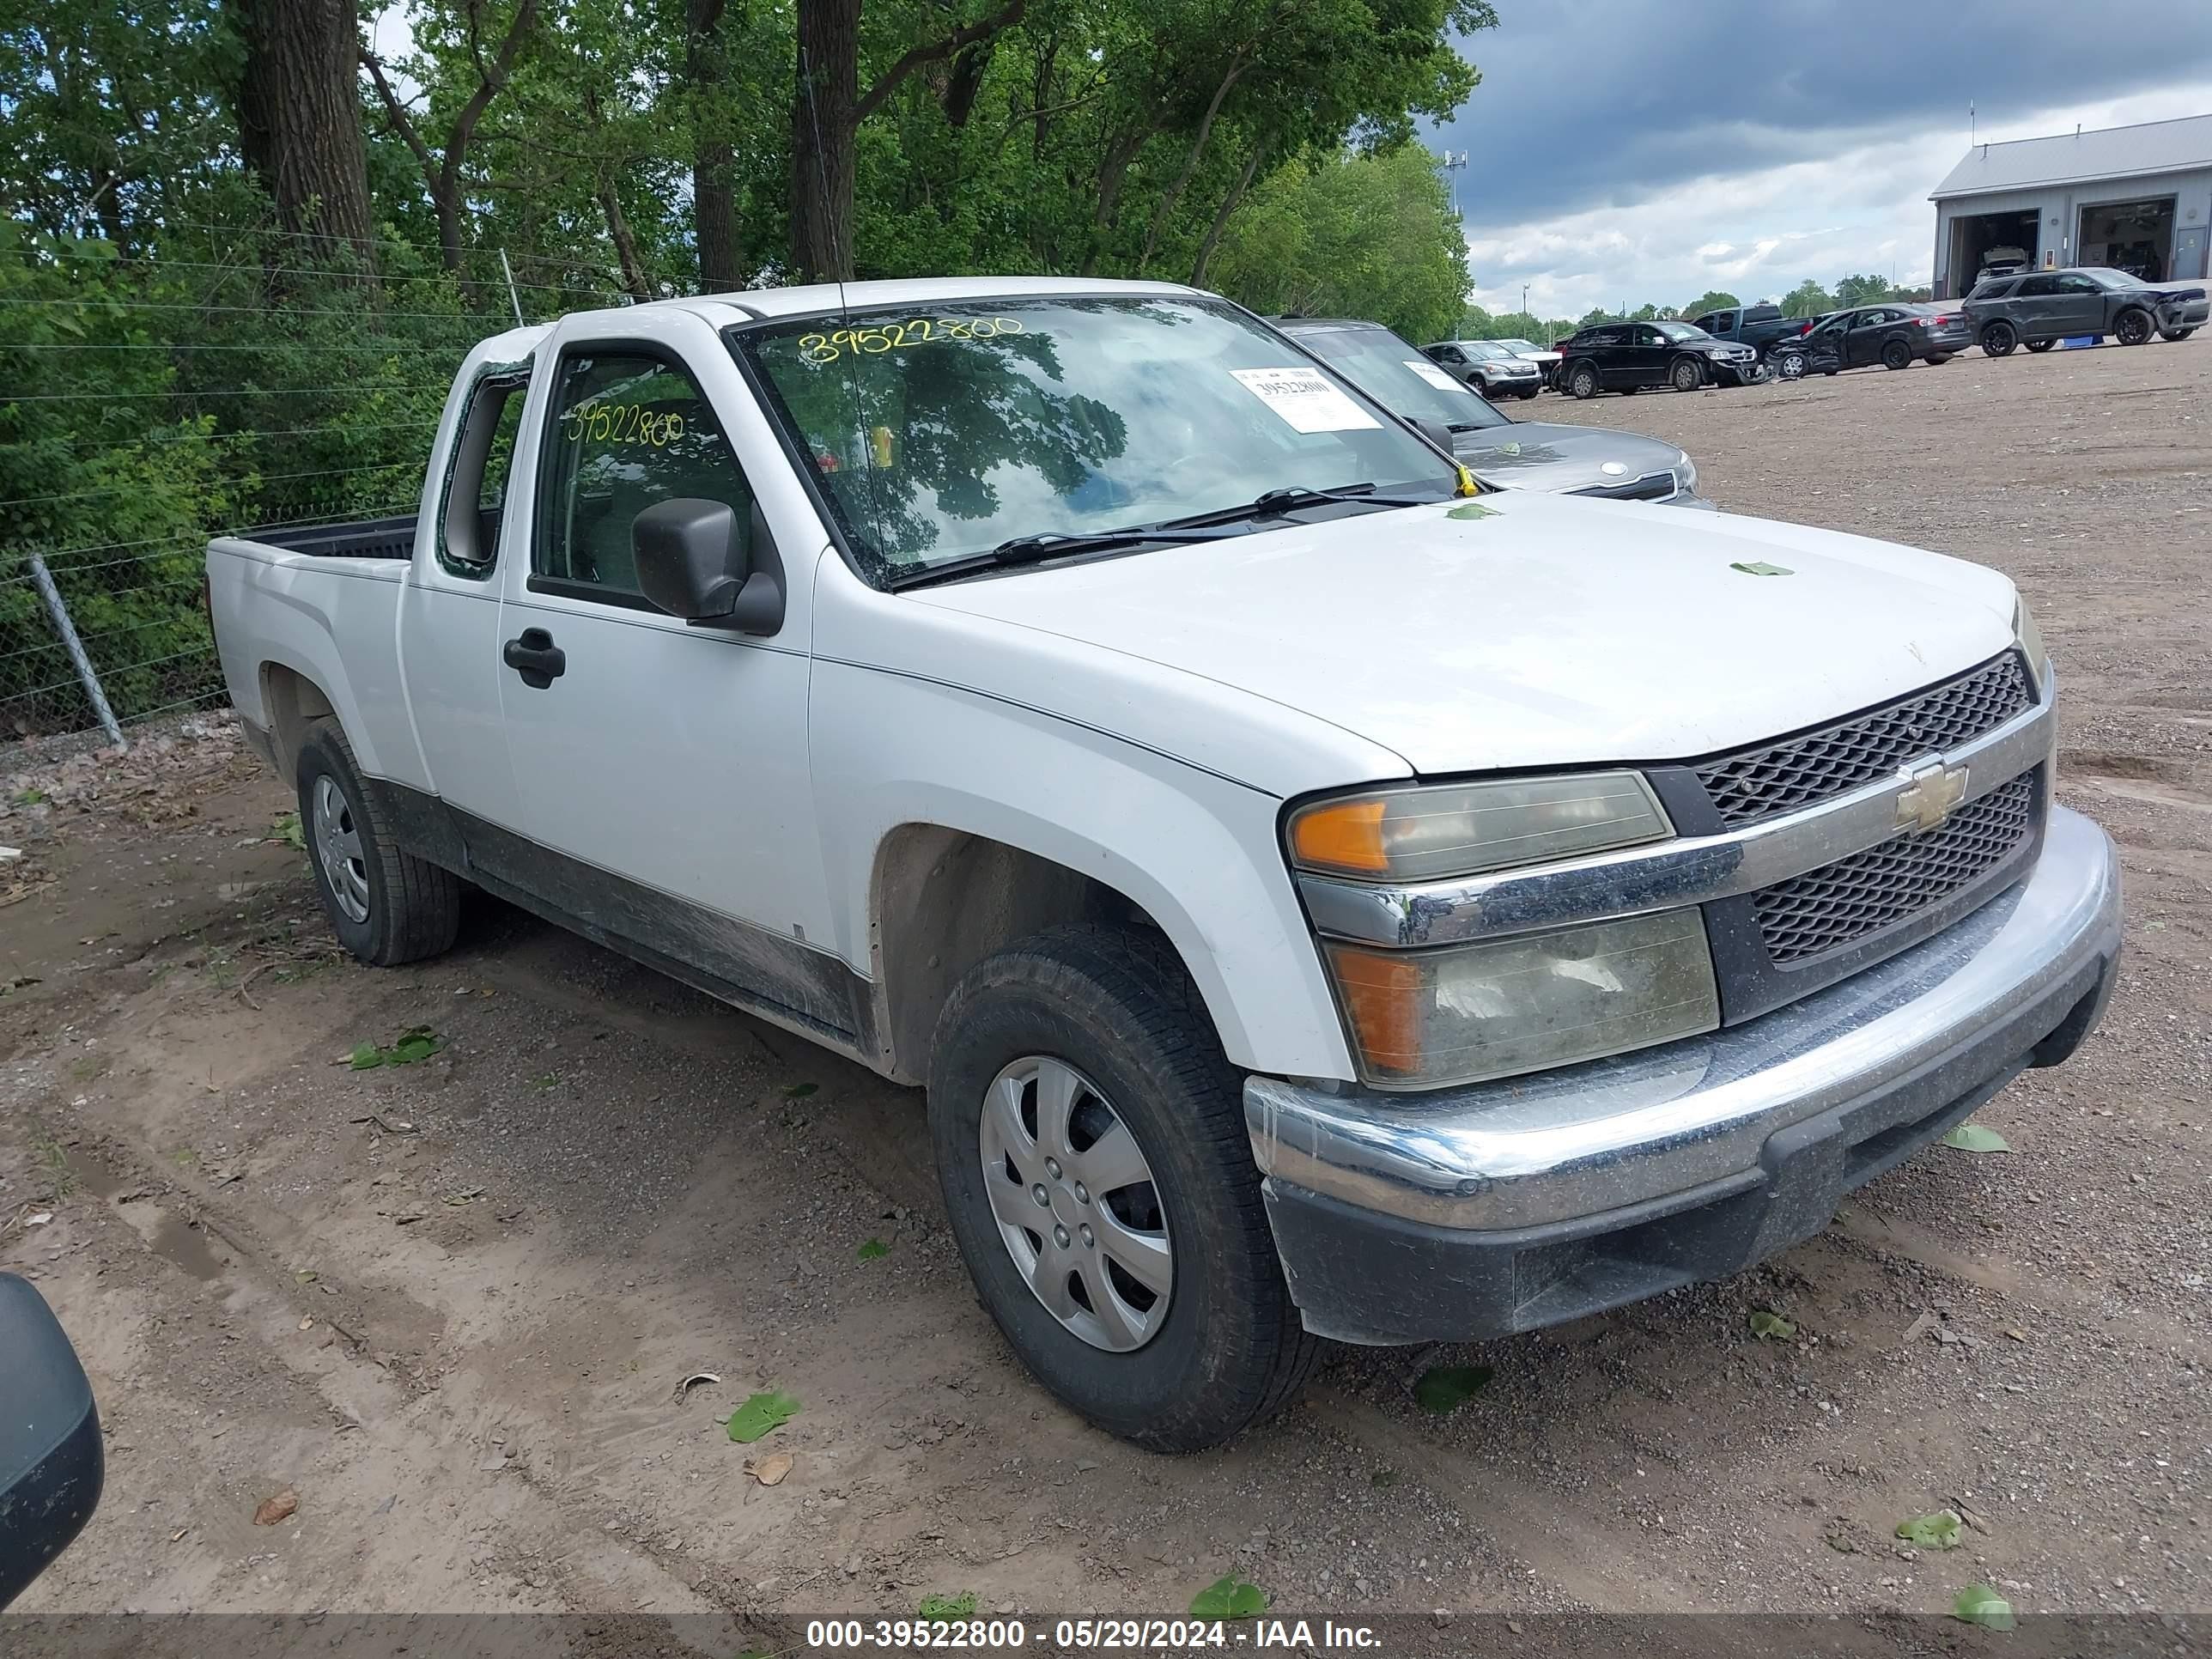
<point>535,658</point>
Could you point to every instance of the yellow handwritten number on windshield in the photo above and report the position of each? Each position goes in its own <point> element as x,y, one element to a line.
<point>893,336</point>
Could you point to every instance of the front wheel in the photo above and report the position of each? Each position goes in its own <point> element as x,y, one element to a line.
<point>1527,392</point>
<point>386,905</point>
<point>1896,354</point>
<point>1090,1137</point>
<point>1998,338</point>
<point>2132,328</point>
<point>1790,364</point>
<point>2177,333</point>
<point>1583,381</point>
<point>1687,376</point>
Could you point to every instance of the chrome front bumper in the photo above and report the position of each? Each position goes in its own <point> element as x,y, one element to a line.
<point>1466,1184</point>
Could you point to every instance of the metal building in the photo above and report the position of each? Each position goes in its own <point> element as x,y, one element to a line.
<point>2138,198</point>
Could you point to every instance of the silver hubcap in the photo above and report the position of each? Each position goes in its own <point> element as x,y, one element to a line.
<point>338,845</point>
<point>1075,1204</point>
<point>1792,368</point>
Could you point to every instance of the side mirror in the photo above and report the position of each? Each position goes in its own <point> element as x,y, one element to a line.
<point>50,1467</point>
<point>1435,431</point>
<point>693,563</point>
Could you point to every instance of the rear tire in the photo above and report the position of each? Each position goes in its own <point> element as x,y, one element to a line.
<point>1583,381</point>
<point>2177,333</point>
<point>2132,327</point>
<point>1687,376</point>
<point>2041,345</point>
<point>1114,1008</point>
<point>1999,338</point>
<point>1896,354</point>
<point>1527,392</point>
<point>386,907</point>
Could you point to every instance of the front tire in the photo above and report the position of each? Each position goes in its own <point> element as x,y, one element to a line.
<point>1687,376</point>
<point>1998,338</point>
<point>2177,333</point>
<point>387,907</point>
<point>1790,364</point>
<point>1081,1056</point>
<point>2132,328</point>
<point>1583,382</point>
<point>1528,392</point>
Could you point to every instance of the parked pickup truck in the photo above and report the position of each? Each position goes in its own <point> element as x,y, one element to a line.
<point>1320,897</point>
<point>1760,327</point>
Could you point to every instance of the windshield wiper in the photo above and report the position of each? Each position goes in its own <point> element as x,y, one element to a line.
<point>1269,503</point>
<point>1036,549</point>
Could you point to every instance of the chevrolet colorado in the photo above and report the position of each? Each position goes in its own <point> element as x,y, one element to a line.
<point>1323,899</point>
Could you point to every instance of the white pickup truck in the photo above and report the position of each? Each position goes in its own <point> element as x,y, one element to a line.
<point>1324,897</point>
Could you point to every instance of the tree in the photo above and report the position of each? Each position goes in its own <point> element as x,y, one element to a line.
<point>1807,299</point>
<point>299,116</point>
<point>1862,291</point>
<point>1713,299</point>
<point>483,79</point>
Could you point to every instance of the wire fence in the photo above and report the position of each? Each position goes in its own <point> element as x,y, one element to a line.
<point>246,384</point>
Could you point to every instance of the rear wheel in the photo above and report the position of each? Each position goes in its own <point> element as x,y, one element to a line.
<point>2177,333</point>
<point>2132,327</point>
<point>1999,338</point>
<point>1583,381</point>
<point>1687,375</point>
<point>387,907</point>
<point>2041,345</point>
<point>1528,392</point>
<point>1090,1137</point>
<point>1896,354</point>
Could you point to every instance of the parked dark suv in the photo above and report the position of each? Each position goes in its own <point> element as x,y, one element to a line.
<point>1896,335</point>
<point>1630,356</point>
<point>2039,308</point>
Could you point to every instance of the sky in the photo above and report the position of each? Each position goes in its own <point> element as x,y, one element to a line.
<point>1648,151</point>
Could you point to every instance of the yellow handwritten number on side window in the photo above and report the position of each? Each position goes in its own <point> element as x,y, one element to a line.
<point>893,336</point>
<point>622,423</point>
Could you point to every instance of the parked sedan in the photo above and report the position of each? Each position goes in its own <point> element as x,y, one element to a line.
<point>2042,307</point>
<point>1581,461</point>
<point>1895,336</point>
<point>1489,367</point>
<point>1630,356</point>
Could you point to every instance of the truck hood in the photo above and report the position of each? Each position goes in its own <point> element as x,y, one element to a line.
<point>1538,455</point>
<point>1525,630</point>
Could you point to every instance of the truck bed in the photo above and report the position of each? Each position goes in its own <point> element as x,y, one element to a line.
<point>351,538</point>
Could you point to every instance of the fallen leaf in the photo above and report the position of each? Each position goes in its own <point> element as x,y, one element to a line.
<point>760,1415</point>
<point>1471,510</point>
<point>1973,1138</point>
<point>1445,1388</point>
<point>771,1470</point>
<point>1978,1604</point>
<point>1229,1598</point>
<point>275,1509</point>
<point>874,1250</point>
<point>944,1609</point>
<point>1939,1531</point>
<point>1761,568</point>
<point>800,1091</point>
<point>1772,1327</point>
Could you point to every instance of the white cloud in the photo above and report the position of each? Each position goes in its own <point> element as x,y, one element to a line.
<point>1760,232</point>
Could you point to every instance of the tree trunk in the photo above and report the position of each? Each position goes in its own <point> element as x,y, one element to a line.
<point>1111,176</point>
<point>635,281</point>
<point>299,115</point>
<point>714,196</point>
<point>966,82</point>
<point>1166,204</point>
<point>828,89</point>
<point>1228,207</point>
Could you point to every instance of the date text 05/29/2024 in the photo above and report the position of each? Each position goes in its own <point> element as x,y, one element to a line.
<point>1091,1635</point>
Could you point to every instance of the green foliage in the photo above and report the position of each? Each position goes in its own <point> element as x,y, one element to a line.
<point>1807,299</point>
<point>1713,299</point>
<point>947,1609</point>
<point>1979,1604</point>
<point>1771,1327</point>
<point>1975,1138</point>
<point>761,1413</point>
<point>1939,1531</point>
<point>1229,1598</point>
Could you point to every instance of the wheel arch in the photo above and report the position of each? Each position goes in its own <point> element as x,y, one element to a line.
<point>292,701</point>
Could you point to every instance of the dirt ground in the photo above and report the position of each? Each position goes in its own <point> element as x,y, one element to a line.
<point>450,1305</point>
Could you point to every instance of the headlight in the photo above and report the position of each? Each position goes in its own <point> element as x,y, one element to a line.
<point>1685,476</point>
<point>1424,1019</point>
<point>1462,830</point>
<point>2030,642</point>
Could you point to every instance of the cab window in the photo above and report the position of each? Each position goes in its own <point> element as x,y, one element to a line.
<point>628,430</point>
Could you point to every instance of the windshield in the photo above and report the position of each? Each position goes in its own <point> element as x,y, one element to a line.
<point>1682,332</point>
<point>1488,351</point>
<point>1399,378</point>
<point>1520,345</point>
<point>941,431</point>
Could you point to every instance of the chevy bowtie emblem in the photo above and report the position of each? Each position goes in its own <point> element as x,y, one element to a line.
<point>1933,790</point>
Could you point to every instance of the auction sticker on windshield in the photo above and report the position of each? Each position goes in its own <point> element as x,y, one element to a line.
<point>1435,376</point>
<point>1307,399</point>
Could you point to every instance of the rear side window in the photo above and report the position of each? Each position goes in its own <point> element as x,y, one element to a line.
<point>2035,287</point>
<point>629,430</point>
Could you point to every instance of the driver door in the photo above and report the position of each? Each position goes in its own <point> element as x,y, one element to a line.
<point>1863,340</point>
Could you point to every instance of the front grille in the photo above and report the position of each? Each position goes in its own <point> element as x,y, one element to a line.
<point>1651,487</point>
<point>1847,900</point>
<point>1800,770</point>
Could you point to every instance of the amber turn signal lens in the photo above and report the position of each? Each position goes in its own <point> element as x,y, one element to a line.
<point>1382,1000</point>
<point>1345,835</point>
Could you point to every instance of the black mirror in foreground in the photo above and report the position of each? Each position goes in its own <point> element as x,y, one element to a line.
<point>692,563</point>
<point>1434,430</point>
<point>50,1457</point>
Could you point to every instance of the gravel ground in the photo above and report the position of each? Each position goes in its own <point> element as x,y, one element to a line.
<point>449,1304</point>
